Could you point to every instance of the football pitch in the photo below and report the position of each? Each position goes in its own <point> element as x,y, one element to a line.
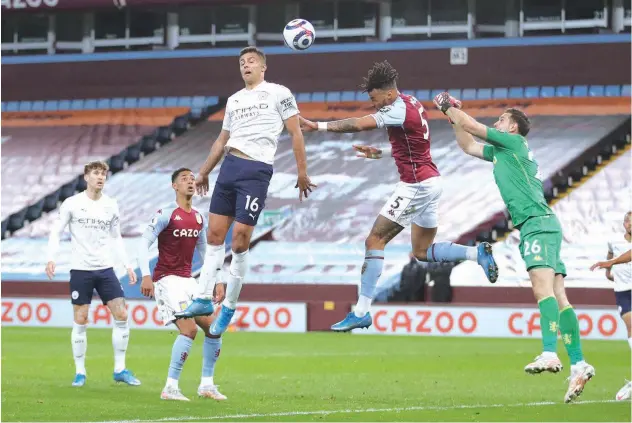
<point>307,377</point>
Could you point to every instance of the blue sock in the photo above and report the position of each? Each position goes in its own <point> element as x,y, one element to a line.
<point>371,271</point>
<point>179,355</point>
<point>212,347</point>
<point>448,251</point>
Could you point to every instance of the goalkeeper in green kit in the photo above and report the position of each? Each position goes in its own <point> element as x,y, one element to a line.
<point>518,179</point>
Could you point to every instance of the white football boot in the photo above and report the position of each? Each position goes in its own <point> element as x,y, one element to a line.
<point>581,373</point>
<point>173,394</point>
<point>625,393</point>
<point>545,362</point>
<point>211,391</point>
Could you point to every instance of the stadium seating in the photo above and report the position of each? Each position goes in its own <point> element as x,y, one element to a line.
<point>38,160</point>
<point>590,216</point>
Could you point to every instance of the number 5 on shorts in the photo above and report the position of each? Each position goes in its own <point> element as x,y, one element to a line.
<point>534,248</point>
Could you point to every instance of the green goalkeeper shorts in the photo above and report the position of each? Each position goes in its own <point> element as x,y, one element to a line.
<point>541,243</point>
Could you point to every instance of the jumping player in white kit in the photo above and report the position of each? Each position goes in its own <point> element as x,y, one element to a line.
<point>253,121</point>
<point>180,229</point>
<point>94,222</point>
<point>416,196</point>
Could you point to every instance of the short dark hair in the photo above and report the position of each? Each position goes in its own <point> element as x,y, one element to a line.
<point>521,119</point>
<point>253,49</point>
<point>382,75</point>
<point>96,165</point>
<point>177,173</point>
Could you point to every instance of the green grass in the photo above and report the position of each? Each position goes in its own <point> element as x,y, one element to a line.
<point>391,378</point>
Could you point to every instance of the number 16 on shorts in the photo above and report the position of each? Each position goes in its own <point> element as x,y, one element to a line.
<point>252,206</point>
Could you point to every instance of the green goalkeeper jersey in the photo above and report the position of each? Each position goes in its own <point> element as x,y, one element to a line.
<point>517,175</point>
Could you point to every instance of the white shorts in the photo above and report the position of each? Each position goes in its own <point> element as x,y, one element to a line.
<point>416,203</point>
<point>174,294</point>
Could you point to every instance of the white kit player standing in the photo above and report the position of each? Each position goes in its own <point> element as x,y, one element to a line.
<point>253,121</point>
<point>94,222</point>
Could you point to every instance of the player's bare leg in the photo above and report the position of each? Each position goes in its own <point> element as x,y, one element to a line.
<point>179,354</point>
<point>383,231</point>
<point>542,282</point>
<point>218,228</point>
<point>581,372</point>
<point>120,340</point>
<point>242,234</point>
<point>625,393</point>
<point>79,340</point>
<point>212,348</point>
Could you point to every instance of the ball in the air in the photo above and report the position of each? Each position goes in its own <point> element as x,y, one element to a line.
<point>299,34</point>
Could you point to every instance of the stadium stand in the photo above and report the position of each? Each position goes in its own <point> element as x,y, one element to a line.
<point>591,215</point>
<point>38,160</point>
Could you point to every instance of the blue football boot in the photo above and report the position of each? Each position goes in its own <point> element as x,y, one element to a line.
<point>198,307</point>
<point>487,262</point>
<point>353,322</point>
<point>126,376</point>
<point>221,322</point>
<point>80,380</point>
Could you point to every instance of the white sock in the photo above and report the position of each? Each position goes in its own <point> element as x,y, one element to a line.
<point>363,306</point>
<point>549,354</point>
<point>120,339</point>
<point>630,342</point>
<point>238,267</point>
<point>207,381</point>
<point>79,340</point>
<point>213,262</point>
<point>471,253</point>
<point>172,383</point>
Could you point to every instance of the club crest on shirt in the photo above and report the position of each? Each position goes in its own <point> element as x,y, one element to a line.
<point>262,96</point>
<point>198,218</point>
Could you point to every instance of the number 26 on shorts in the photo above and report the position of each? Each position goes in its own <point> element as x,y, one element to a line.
<point>533,248</point>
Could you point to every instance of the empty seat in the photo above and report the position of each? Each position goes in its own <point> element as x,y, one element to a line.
<point>157,102</point>
<point>563,91</point>
<point>144,102</point>
<point>130,103</point>
<point>13,106</point>
<point>25,106</point>
<point>185,101</point>
<point>596,91</point>
<point>500,93</point>
<point>38,106</point>
<point>422,95</point>
<point>361,96</point>
<point>468,94</point>
<point>516,92</point>
<point>484,94</point>
<point>171,102</point>
<point>304,97</point>
<point>625,90</point>
<point>64,104</point>
<point>332,97</point>
<point>580,91</point>
<point>117,103</point>
<point>532,92</point>
<point>103,103</point>
<point>612,91</point>
<point>347,96</point>
<point>547,91</point>
<point>318,97</point>
<point>90,104</point>
<point>76,104</point>
<point>212,100</point>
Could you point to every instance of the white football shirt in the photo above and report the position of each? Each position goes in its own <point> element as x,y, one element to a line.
<point>622,273</point>
<point>255,119</point>
<point>94,232</point>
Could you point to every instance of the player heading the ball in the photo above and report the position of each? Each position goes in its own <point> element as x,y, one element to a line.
<point>253,121</point>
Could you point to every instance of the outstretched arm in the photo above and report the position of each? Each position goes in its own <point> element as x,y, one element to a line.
<point>467,123</point>
<point>622,259</point>
<point>364,123</point>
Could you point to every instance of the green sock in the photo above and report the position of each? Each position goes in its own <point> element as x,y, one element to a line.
<point>549,316</point>
<point>569,327</point>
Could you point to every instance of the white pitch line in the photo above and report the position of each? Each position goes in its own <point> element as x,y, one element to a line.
<point>357,411</point>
